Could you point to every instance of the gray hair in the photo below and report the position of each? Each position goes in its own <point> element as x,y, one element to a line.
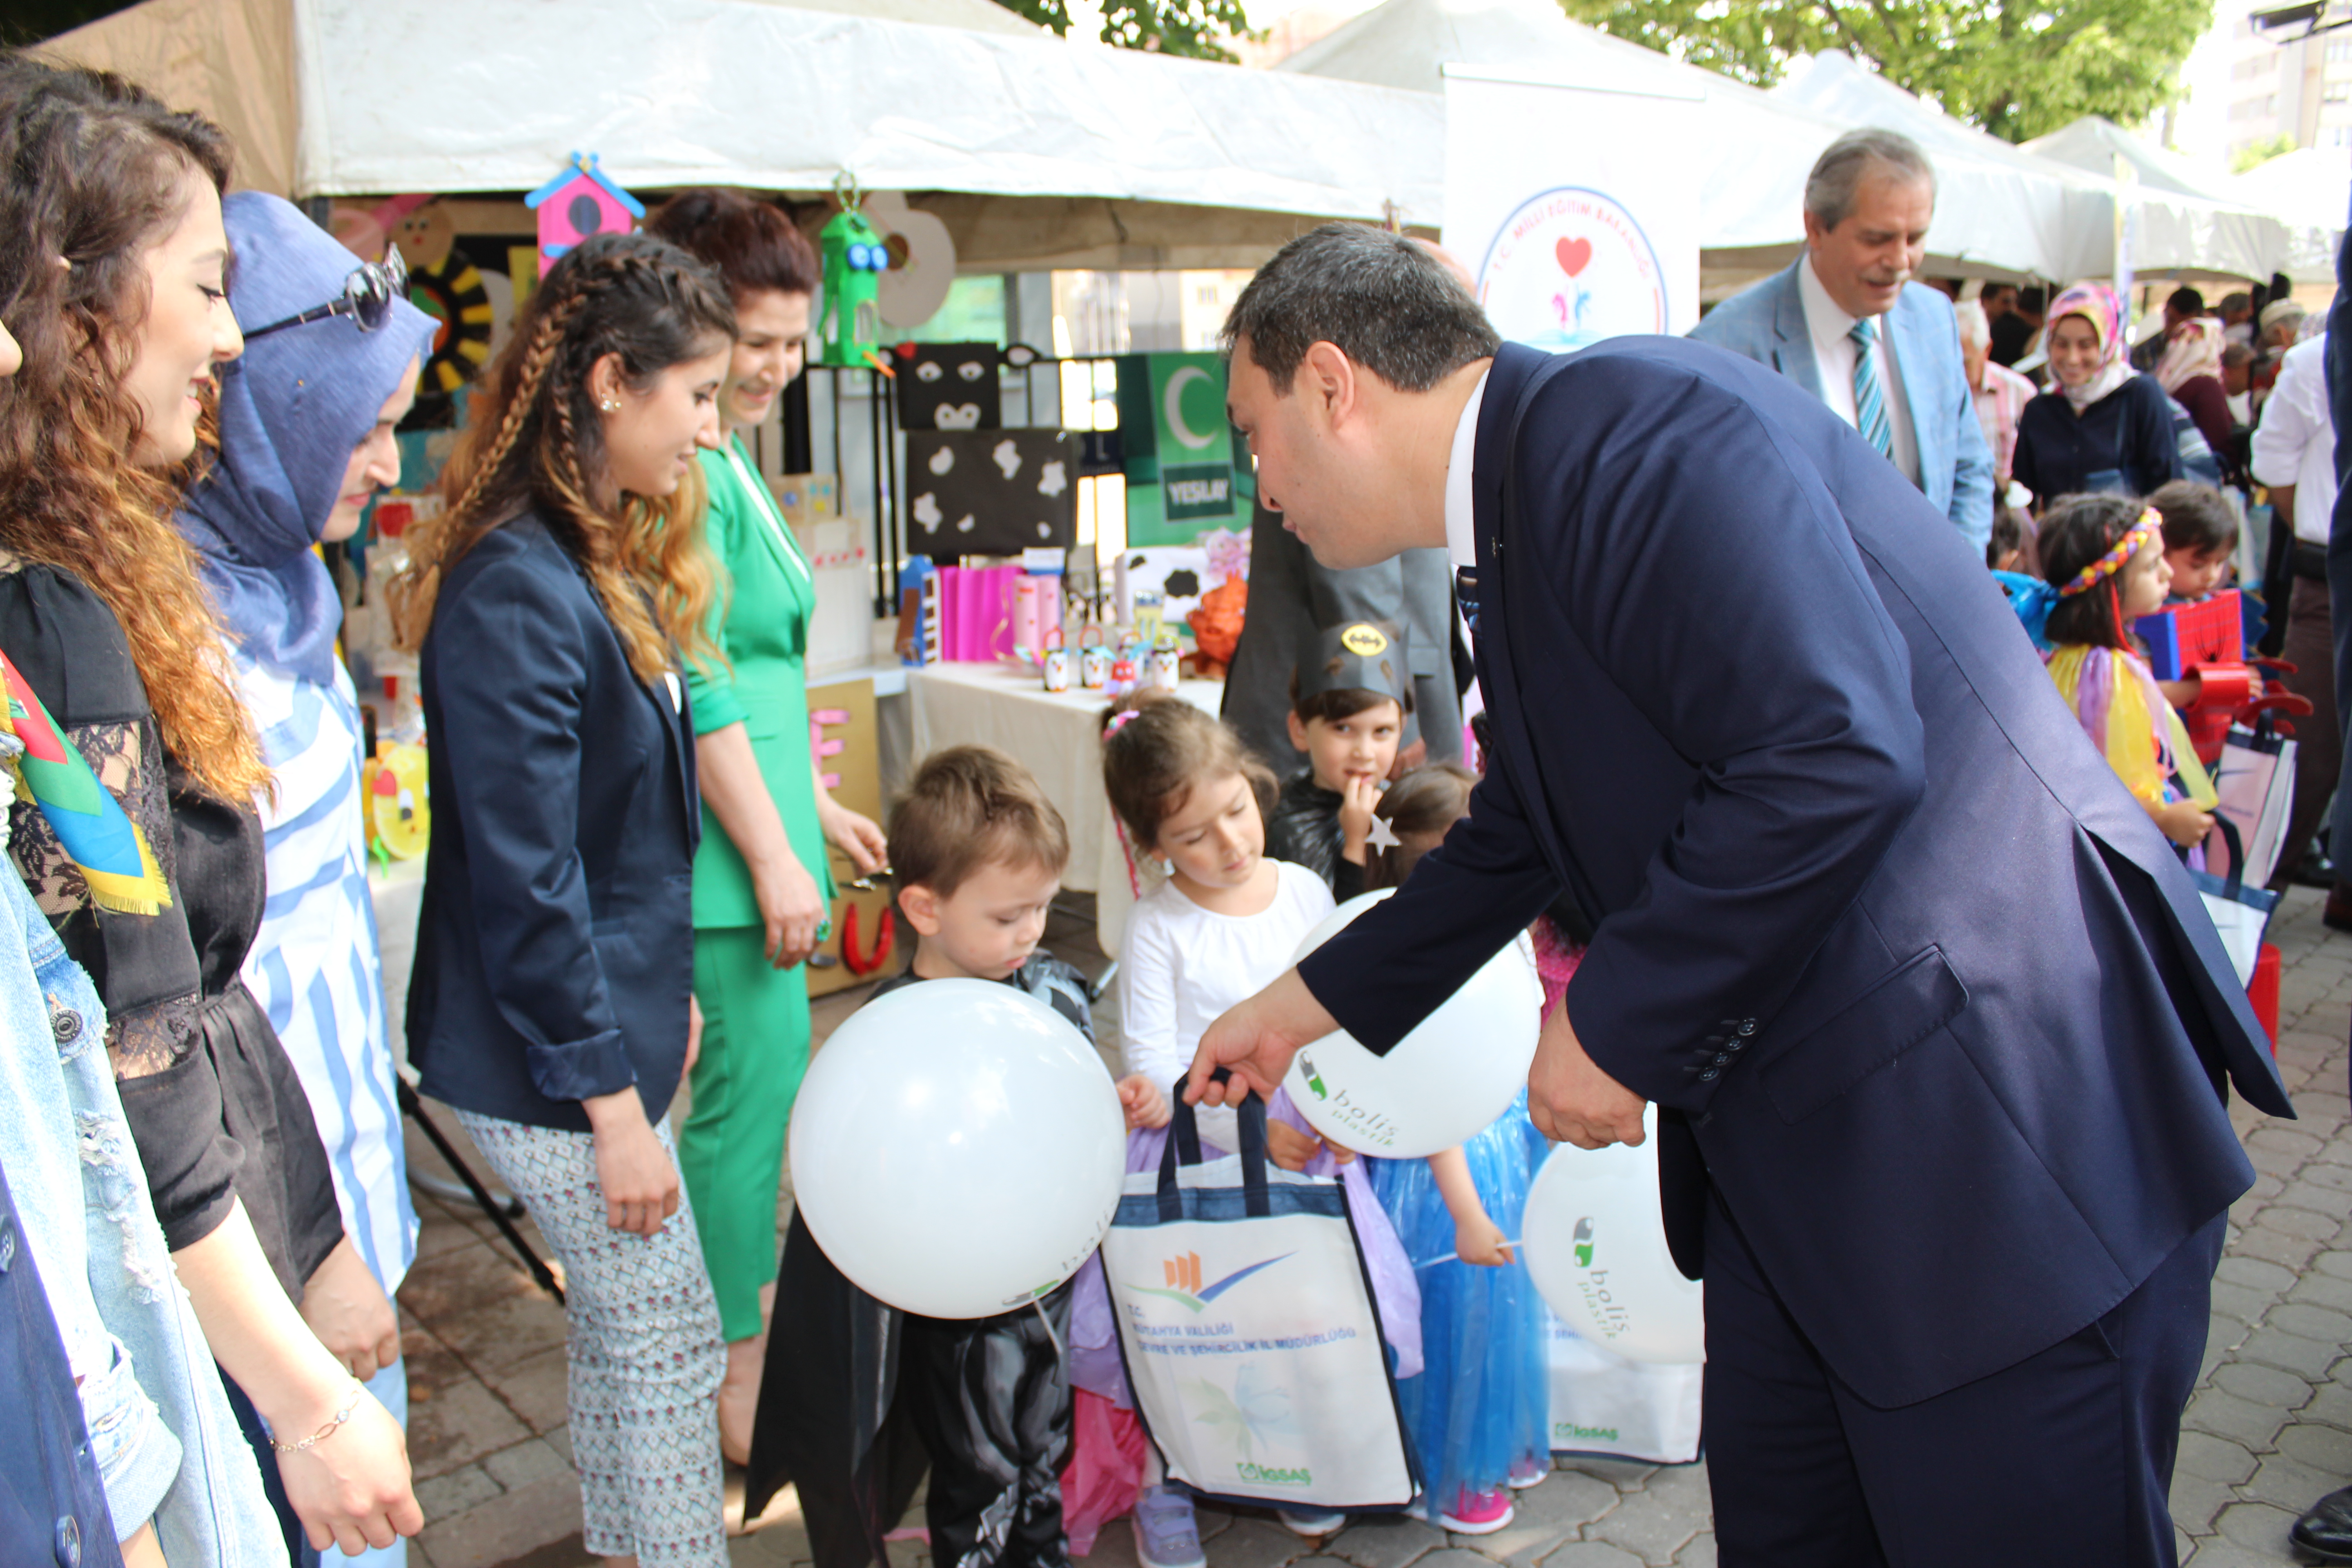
<point>1828,189</point>
<point>1975,327</point>
<point>1387,302</point>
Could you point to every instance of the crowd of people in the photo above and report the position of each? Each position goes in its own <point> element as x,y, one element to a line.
<point>630,861</point>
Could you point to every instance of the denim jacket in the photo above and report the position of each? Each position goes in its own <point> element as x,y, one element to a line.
<point>160,1424</point>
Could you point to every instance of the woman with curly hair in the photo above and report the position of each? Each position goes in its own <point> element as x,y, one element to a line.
<point>110,277</point>
<point>549,1005</point>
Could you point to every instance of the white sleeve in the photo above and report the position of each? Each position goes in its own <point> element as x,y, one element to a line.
<point>2287,426</point>
<point>1147,1001</point>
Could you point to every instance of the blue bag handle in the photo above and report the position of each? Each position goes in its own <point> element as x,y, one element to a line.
<point>1184,1144</point>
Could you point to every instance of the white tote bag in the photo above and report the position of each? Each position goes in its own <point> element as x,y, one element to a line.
<point>2255,781</point>
<point>2240,913</point>
<point>1251,1338</point>
<point>1603,1404</point>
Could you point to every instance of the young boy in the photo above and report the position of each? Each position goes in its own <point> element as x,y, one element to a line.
<point>2201,535</point>
<point>1348,709</point>
<point>858,1395</point>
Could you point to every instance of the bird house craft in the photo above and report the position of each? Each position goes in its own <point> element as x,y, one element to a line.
<point>990,493</point>
<point>578,203</point>
<point>949,387</point>
<point>856,255</point>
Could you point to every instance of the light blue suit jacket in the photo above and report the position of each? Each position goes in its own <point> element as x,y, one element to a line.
<point>1766,322</point>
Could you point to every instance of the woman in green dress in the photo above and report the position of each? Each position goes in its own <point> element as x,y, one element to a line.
<point>761,880</point>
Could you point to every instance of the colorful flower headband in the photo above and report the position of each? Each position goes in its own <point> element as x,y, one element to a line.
<point>2149,526</point>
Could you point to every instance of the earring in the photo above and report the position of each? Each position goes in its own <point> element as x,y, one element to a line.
<point>610,405</point>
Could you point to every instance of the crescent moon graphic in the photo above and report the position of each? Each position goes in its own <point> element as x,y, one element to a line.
<point>1173,405</point>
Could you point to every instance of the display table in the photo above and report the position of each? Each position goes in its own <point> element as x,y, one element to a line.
<point>1058,736</point>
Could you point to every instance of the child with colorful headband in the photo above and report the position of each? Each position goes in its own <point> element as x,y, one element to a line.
<point>2104,557</point>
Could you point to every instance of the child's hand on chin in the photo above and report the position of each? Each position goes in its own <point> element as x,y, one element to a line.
<point>1144,1104</point>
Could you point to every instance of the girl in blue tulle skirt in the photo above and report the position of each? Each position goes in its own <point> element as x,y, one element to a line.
<point>1479,1411</point>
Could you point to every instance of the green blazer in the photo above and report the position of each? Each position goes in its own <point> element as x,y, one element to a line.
<point>760,620</point>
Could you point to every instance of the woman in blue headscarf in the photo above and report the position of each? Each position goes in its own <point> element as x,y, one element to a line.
<point>305,439</point>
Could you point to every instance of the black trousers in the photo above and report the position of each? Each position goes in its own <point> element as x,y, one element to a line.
<point>2064,1460</point>
<point>991,1398</point>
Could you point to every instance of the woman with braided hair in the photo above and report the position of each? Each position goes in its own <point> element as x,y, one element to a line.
<point>550,1004</point>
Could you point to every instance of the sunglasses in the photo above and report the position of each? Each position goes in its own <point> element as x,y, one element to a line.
<point>367,298</point>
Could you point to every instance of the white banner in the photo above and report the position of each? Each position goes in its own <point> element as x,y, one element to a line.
<point>1575,209</point>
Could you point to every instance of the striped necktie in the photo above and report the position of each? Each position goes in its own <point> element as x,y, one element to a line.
<point>1869,399</point>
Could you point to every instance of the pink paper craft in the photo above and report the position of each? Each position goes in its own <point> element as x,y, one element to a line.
<point>975,613</point>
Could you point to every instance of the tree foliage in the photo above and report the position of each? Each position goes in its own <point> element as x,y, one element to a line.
<point>2017,69</point>
<point>2254,155</point>
<point>1194,28</point>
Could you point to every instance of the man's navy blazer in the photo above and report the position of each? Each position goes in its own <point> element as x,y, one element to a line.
<point>555,948</point>
<point>1908,969</point>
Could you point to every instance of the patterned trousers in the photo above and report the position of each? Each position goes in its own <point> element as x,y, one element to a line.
<point>645,1354</point>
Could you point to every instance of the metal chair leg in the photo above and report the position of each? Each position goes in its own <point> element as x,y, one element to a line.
<point>412,1107</point>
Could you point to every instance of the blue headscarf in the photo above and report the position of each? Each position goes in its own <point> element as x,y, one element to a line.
<point>291,409</point>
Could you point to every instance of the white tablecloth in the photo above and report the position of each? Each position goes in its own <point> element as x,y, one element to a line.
<point>1058,737</point>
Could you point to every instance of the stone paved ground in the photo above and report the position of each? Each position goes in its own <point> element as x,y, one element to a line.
<point>2269,1428</point>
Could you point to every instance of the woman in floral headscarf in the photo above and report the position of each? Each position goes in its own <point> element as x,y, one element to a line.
<point>2106,427</point>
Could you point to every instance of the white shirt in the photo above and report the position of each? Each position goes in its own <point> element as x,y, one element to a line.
<point>1461,498</point>
<point>2295,443</point>
<point>1180,966</point>
<point>1834,354</point>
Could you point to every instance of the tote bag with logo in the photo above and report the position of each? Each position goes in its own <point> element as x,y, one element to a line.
<point>1251,1338</point>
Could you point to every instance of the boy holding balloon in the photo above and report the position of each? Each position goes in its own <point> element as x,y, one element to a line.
<point>977,852</point>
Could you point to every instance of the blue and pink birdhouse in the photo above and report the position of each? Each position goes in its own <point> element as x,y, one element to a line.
<point>578,203</point>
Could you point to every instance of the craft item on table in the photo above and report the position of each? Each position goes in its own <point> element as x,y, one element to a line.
<point>805,498</point>
<point>1094,666</point>
<point>1178,446</point>
<point>1123,676</point>
<point>2206,638</point>
<point>990,493</point>
<point>1228,551</point>
<point>855,257</point>
<point>1217,626</point>
<point>580,202</point>
<point>1178,573</point>
<point>1057,669</point>
<point>1036,613</point>
<point>976,613</point>
<point>97,834</point>
<point>1146,607</point>
<point>1164,667</point>
<point>448,287</point>
<point>948,386</point>
<point>919,613</point>
<point>398,817</point>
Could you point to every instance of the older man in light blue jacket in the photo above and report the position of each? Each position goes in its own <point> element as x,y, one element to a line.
<point>1845,322</point>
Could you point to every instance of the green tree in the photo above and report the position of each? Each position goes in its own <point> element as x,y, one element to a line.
<point>1194,28</point>
<point>2017,69</point>
<point>2255,153</point>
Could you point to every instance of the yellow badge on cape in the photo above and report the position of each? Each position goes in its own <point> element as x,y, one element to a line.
<point>1364,639</point>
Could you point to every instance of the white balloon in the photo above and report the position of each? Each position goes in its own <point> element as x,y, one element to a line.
<point>1444,1082</point>
<point>958,1149</point>
<point>1596,1245</point>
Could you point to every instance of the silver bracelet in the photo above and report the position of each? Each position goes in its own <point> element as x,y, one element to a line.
<point>327,1431</point>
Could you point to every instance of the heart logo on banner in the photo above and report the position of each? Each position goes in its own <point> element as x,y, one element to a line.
<point>1573,254</point>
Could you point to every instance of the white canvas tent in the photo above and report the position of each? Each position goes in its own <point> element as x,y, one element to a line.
<point>2188,227</point>
<point>1050,152</point>
<point>2000,215</point>
<point>2310,189</point>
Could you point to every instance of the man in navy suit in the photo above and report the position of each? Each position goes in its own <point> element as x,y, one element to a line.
<point>1937,1029</point>
<point>1845,321</point>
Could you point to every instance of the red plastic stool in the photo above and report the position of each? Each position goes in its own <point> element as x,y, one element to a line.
<point>2262,991</point>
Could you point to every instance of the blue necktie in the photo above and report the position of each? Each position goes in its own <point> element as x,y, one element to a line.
<point>1869,400</point>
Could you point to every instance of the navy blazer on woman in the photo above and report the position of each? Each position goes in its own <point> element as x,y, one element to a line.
<point>1917,982</point>
<point>556,945</point>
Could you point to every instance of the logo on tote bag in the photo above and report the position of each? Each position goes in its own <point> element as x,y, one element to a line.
<point>1183,1275</point>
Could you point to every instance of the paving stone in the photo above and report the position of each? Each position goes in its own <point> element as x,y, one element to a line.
<point>2311,1323</point>
<point>1256,1542</point>
<point>1654,1523</point>
<point>2333,1177</point>
<point>526,1463</point>
<point>2237,1301</point>
<point>2216,1552</point>
<point>460,1423</point>
<point>506,1527</point>
<point>2259,1526</point>
<point>2292,1352</point>
<point>2225,1334</point>
<point>2212,1459</point>
<point>2336,1263</point>
<point>1626,1475</point>
<point>2316,1196</point>
<point>2322,1447</point>
<point>2285,1140</point>
<point>1452,1557</point>
<point>1699,1553</point>
<point>2299,1222</point>
<point>2256,1275</point>
<point>2195,1501</point>
<point>534,1387</point>
<point>456,1492</point>
<point>1544,1516</point>
<point>2323,1290</point>
<point>1591,1555</point>
<point>1386,1540</point>
<point>2264,1385</point>
<point>2289,1483</point>
<point>2226,1416</point>
<point>2276,1246</point>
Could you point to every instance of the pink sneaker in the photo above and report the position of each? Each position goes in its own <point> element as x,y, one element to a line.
<point>1477,1513</point>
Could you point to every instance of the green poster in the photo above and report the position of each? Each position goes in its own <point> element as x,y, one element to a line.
<point>1179,450</point>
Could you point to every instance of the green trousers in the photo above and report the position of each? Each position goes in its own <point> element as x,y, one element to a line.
<point>730,1153</point>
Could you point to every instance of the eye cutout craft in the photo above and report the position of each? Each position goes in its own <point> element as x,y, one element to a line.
<point>928,370</point>
<point>971,370</point>
<point>958,415</point>
<point>942,460</point>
